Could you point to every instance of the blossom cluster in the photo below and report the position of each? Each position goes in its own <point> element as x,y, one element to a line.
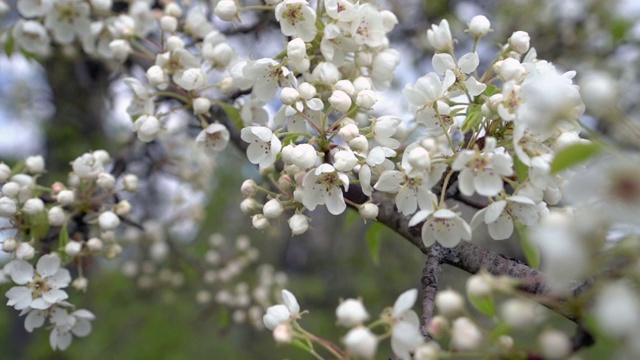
<point>34,212</point>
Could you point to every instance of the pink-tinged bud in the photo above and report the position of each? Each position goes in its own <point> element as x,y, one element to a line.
<point>248,187</point>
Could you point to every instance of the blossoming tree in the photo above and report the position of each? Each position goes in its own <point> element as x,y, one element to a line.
<point>499,136</point>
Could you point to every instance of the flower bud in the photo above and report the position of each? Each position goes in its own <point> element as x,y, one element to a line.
<point>346,86</point>
<point>35,164</point>
<point>174,43</point>
<point>276,315</point>
<point>340,100</point>
<point>56,216</point>
<point>8,207</point>
<point>519,41</point>
<point>326,72</point>
<point>307,91</point>
<point>303,156</point>
<point>157,77</point>
<point>226,10</point>
<point>289,96</point>
<point>120,49</point>
<point>351,312</point>
<point>130,183</point>
<point>94,244</point>
<point>33,206</point>
<point>428,351</point>
<point>345,160</point>
<point>419,158</point>
<point>168,23</point>
<point>359,143</point>
<point>465,335</point>
<point>80,283</point>
<point>249,187</point>
<point>272,209</point>
<point>283,334</point>
<point>479,26</point>
<point>25,251</point>
<point>9,245</point>
<point>361,342</point>
<point>296,49</point>
<point>349,132</point>
<point>518,313</point>
<point>106,181</point>
<point>248,205</point>
<point>11,189</point>
<point>555,345</point>
<point>366,99</point>
<point>478,286</point>
<point>147,128</point>
<point>173,9</point>
<point>438,326</point>
<point>113,251</point>
<point>259,222</point>
<point>449,303</point>
<point>73,248</point>
<point>510,69</point>
<point>299,224</point>
<point>108,221</point>
<point>192,79</point>
<point>369,210</point>
<point>101,6</point>
<point>5,172</point>
<point>123,207</point>
<point>201,105</point>
<point>66,197</point>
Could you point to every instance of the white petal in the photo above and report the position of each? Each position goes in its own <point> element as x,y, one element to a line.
<point>21,272</point>
<point>478,218</point>
<point>405,301</point>
<point>48,265</point>
<point>427,234</point>
<point>406,200</point>
<point>81,328</point>
<point>469,62</point>
<point>405,338</point>
<point>442,62</point>
<point>419,217</point>
<point>54,296</point>
<point>19,297</point>
<point>389,181</point>
<point>465,182</point>
<point>488,183</point>
<point>494,210</point>
<point>34,319</point>
<point>60,279</point>
<point>335,202</point>
<point>291,302</point>
<point>502,228</point>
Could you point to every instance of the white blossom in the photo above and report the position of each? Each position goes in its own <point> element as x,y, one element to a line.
<point>297,18</point>
<point>351,312</point>
<point>42,287</point>
<point>264,145</point>
<point>443,226</point>
<point>213,138</point>
<point>322,185</point>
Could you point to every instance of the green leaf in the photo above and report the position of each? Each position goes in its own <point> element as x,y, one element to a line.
<point>573,155</point>
<point>64,235</point>
<point>530,250</point>
<point>473,119</point>
<point>374,240</point>
<point>350,218</point>
<point>521,170</point>
<point>501,329</point>
<point>8,46</point>
<point>233,113</point>
<point>484,304</point>
<point>39,225</point>
<point>490,90</point>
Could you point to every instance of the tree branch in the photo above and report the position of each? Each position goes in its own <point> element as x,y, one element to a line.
<point>429,282</point>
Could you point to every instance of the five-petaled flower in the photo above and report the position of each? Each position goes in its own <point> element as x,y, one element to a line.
<point>39,289</point>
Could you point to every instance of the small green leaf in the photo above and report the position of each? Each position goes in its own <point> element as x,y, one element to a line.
<point>350,219</point>
<point>233,113</point>
<point>530,250</point>
<point>64,235</point>
<point>573,155</point>
<point>39,225</point>
<point>484,304</point>
<point>473,119</point>
<point>521,170</point>
<point>8,45</point>
<point>501,329</point>
<point>374,240</point>
<point>490,90</point>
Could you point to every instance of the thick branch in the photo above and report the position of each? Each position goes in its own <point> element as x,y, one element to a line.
<point>429,282</point>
